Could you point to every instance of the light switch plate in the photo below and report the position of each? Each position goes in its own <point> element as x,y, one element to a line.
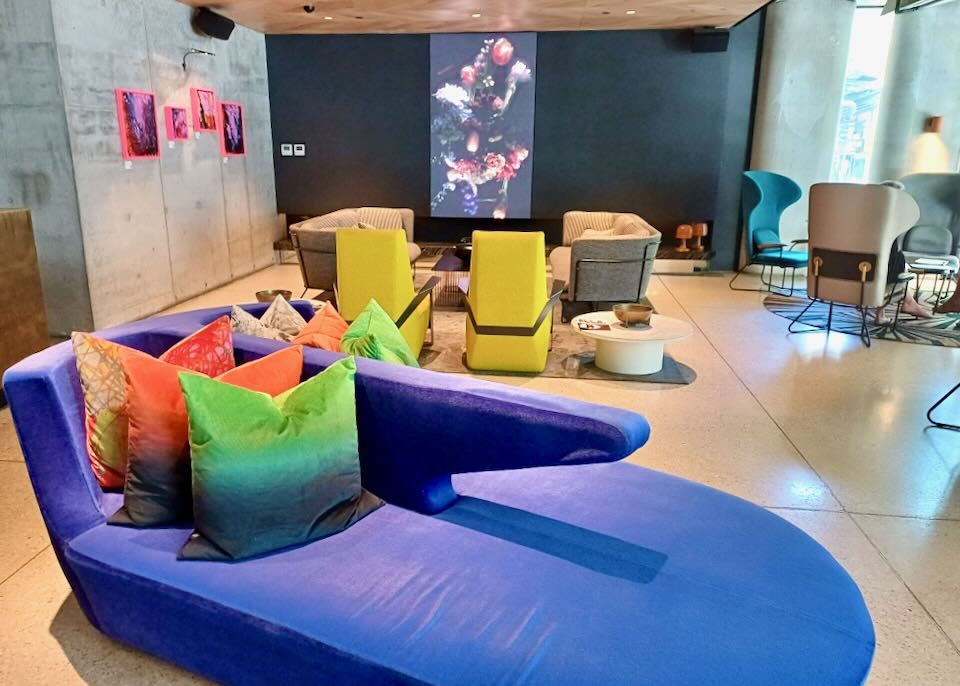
<point>286,149</point>
<point>299,150</point>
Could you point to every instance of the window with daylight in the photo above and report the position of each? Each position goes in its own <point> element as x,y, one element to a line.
<point>866,64</point>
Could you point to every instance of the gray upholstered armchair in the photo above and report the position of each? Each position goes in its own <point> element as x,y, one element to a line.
<point>937,232</point>
<point>605,257</point>
<point>315,240</point>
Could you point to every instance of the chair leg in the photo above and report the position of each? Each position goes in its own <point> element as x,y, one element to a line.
<point>796,320</point>
<point>737,276</point>
<point>864,329</point>
<point>829,316</point>
<point>934,422</point>
<point>304,292</point>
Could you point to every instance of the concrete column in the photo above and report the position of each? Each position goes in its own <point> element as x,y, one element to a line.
<point>802,72</point>
<point>36,170</point>
<point>922,80</point>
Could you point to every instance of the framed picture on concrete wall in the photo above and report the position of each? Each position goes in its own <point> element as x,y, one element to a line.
<point>176,120</point>
<point>232,141</point>
<point>204,104</point>
<point>137,116</point>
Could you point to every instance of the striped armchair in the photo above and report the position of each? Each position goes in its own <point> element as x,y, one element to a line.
<point>315,239</point>
<point>605,257</point>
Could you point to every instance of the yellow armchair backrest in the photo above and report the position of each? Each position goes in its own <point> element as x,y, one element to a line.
<point>508,278</point>
<point>373,264</point>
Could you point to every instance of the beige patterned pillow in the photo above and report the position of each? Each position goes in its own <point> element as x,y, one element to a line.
<point>243,322</point>
<point>630,225</point>
<point>341,219</point>
<point>281,316</point>
<point>595,233</point>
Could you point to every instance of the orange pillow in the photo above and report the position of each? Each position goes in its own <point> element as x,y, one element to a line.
<point>157,487</point>
<point>209,350</point>
<point>324,331</point>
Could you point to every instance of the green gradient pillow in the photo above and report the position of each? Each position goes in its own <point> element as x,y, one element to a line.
<point>269,473</point>
<point>374,335</point>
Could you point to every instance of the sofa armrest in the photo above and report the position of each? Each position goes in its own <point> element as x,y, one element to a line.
<point>417,428</point>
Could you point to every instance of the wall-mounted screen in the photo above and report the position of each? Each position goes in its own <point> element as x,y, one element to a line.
<point>481,124</point>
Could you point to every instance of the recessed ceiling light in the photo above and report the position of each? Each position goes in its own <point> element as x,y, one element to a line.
<point>631,12</point>
<point>328,18</point>
<point>475,15</point>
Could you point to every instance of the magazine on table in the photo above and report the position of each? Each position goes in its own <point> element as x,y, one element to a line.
<point>593,325</point>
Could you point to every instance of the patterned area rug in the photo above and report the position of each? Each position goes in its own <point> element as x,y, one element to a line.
<point>571,357</point>
<point>942,330</point>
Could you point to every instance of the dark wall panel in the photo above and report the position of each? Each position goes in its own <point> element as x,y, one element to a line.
<point>627,120</point>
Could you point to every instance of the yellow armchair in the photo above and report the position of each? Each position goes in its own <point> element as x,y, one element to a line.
<point>509,314</point>
<point>376,264</point>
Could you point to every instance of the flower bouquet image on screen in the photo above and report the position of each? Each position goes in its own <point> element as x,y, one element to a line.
<point>137,115</point>
<point>204,104</point>
<point>481,124</point>
<point>176,121</point>
<point>232,137</point>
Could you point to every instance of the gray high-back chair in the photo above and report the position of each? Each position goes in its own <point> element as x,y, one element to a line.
<point>852,230</point>
<point>937,231</point>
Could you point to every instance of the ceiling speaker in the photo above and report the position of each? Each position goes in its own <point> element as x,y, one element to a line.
<point>212,24</point>
<point>711,40</point>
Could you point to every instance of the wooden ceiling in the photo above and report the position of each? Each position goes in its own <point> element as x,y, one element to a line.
<point>454,16</point>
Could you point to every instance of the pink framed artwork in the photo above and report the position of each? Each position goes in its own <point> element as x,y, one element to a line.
<point>204,103</point>
<point>232,142</point>
<point>176,120</point>
<point>137,116</point>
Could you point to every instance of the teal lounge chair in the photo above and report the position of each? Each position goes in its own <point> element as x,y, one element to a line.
<point>765,197</point>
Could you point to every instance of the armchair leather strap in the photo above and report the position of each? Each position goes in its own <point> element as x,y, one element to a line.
<point>424,291</point>
<point>555,293</point>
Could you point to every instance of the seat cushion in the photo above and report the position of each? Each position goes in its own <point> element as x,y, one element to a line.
<point>777,258</point>
<point>596,574</point>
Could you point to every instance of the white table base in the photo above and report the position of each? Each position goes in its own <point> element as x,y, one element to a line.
<point>630,357</point>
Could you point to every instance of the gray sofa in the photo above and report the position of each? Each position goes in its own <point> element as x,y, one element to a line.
<point>315,240</point>
<point>605,257</point>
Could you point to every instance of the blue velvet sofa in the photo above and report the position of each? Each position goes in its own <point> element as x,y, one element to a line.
<point>579,570</point>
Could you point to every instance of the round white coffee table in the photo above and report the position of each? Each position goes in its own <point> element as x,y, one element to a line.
<point>635,351</point>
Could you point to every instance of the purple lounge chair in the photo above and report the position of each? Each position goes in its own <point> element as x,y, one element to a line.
<point>576,570</point>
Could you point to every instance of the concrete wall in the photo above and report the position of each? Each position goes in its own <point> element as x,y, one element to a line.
<point>922,79</point>
<point>36,169</point>
<point>798,102</point>
<point>163,230</point>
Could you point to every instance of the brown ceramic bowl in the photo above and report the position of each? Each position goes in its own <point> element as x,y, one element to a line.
<point>271,295</point>
<point>633,315</point>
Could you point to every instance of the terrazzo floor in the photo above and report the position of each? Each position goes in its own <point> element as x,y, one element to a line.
<point>824,432</point>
